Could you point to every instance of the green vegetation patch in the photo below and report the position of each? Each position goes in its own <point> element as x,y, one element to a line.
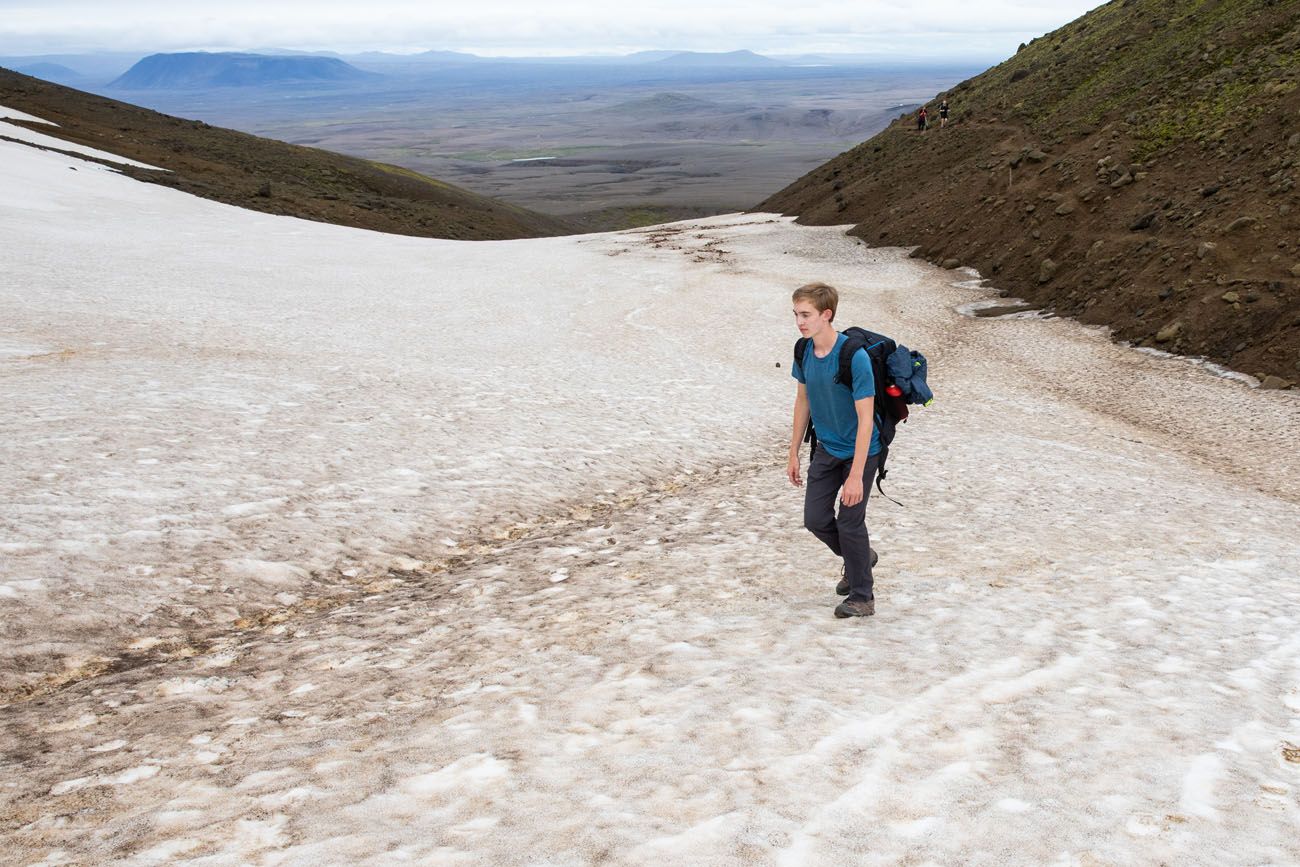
<point>411,175</point>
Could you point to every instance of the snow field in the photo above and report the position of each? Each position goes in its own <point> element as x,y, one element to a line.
<point>235,405</point>
<point>576,639</point>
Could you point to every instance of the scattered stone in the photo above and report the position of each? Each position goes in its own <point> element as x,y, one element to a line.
<point>1035,156</point>
<point>1241,223</point>
<point>1295,270</point>
<point>1231,296</point>
<point>1209,191</point>
<point>1029,209</point>
<point>951,263</point>
<point>1094,250</point>
<point>1205,248</point>
<point>1169,332</point>
<point>1064,209</point>
<point>1047,270</point>
<point>1294,140</point>
<point>1275,383</point>
<point>1142,222</point>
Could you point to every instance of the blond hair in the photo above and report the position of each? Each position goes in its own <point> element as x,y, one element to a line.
<point>820,295</point>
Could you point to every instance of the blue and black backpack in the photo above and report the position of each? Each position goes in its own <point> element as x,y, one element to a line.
<point>900,375</point>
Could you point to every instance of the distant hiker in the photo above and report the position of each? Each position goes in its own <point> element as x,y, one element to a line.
<point>846,452</point>
<point>943,114</point>
<point>921,119</point>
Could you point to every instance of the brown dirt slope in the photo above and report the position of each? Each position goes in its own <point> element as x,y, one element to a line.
<point>1135,168</point>
<point>271,176</point>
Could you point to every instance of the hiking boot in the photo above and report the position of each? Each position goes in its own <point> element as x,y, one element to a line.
<point>842,588</point>
<point>856,608</point>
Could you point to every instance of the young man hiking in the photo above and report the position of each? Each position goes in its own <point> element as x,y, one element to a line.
<point>847,451</point>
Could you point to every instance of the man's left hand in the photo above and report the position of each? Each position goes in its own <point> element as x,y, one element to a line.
<point>852,493</point>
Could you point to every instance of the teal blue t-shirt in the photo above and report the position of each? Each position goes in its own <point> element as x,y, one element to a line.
<point>834,415</point>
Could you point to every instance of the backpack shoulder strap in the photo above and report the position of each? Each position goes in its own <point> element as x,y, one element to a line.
<point>855,339</point>
<point>800,349</point>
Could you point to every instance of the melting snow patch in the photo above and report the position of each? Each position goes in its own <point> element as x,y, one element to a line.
<point>108,747</point>
<point>10,348</point>
<point>1198,786</point>
<point>918,827</point>
<point>133,775</point>
<point>41,140</point>
<point>192,686</point>
<point>165,853</point>
<point>1204,363</point>
<point>80,722</point>
<point>1014,805</point>
<point>473,771</point>
<point>70,785</point>
<point>710,835</point>
<point>266,571</point>
<point>1001,308</point>
<point>1142,826</point>
<point>261,833</point>
<point>56,858</point>
<point>7,113</point>
<point>23,585</point>
<point>241,510</point>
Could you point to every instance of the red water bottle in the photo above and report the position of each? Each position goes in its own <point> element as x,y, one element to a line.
<point>895,405</point>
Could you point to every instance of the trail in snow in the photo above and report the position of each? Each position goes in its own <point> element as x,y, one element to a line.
<point>583,625</point>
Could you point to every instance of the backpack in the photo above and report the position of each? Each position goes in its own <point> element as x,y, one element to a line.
<point>891,365</point>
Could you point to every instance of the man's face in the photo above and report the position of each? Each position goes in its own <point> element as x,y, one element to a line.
<point>809,319</point>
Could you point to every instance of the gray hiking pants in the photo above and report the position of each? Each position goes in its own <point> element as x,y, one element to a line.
<point>844,533</point>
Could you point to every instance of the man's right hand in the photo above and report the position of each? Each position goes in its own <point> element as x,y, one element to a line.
<point>792,471</point>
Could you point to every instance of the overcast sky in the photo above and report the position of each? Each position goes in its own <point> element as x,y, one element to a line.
<point>988,29</point>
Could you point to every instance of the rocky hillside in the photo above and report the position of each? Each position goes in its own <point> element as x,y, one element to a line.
<point>267,175</point>
<point>1135,168</point>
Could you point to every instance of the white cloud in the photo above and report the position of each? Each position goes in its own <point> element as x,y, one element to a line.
<point>930,27</point>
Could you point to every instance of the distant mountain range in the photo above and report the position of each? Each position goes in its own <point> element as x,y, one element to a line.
<point>272,65</point>
<point>56,72</point>
<point>718,59</point>
<point>203,69</point>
